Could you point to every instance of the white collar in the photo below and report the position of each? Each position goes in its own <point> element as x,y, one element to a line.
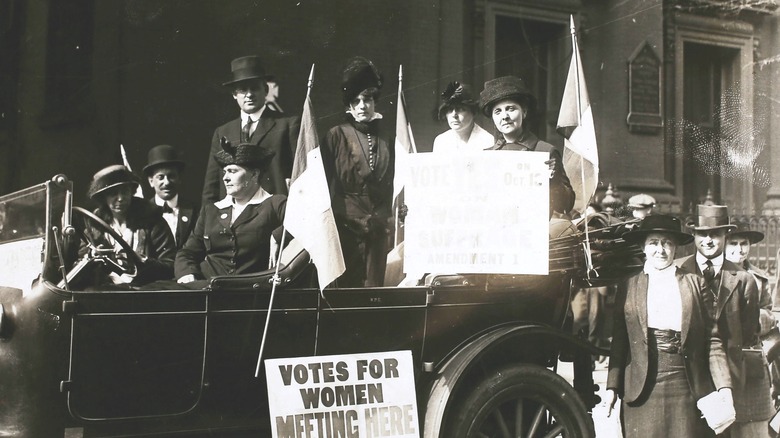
<point>376,116</point>
<point>173,203</point>
<point>259,196</point>
<point>255,116</point>
<point>717,262</point>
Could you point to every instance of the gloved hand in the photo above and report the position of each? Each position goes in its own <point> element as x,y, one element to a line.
<point>551,164</point>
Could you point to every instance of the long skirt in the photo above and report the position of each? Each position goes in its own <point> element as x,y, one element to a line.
<point>666,407</point>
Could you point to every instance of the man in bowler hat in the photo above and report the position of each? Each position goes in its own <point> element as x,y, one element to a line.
<point>732,298</point>
<point>163,170</point>
<point>257,124</point>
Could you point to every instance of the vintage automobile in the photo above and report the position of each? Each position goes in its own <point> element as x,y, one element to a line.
<point>86,361</point>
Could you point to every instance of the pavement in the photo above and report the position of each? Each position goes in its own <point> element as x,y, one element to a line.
<point>606,426</point>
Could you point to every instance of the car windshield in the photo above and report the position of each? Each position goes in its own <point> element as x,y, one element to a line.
<point>25,217</point>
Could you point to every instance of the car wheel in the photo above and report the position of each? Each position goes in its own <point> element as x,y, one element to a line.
<point>521,401</point>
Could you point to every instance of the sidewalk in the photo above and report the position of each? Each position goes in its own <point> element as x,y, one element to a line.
<point>606,427</point>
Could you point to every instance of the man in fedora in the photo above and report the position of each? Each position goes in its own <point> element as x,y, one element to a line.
<point>738,244</point>
<point>163,171</point>
<point>257,124</point>
<point>733,301</point>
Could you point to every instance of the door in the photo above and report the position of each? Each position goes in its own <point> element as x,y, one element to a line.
<point>135,354</point>
<point>707,79</point>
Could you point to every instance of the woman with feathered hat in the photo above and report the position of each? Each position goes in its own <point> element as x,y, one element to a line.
<point>139,223</point>
<point>233,235</point>
<point>459,108</point>
<point>509,103</point>
<point>360,166</point>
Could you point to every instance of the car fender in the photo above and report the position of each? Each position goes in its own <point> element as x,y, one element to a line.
<point>468,356</point>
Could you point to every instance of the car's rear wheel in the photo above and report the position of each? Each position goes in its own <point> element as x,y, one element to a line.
<point>521,401</point>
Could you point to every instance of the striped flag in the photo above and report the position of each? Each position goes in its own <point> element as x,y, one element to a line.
<point>309,216</point>
<point>575,123</point>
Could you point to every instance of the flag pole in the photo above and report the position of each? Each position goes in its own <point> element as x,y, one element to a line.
<point>575,52</point>
<point>276,280</point>
<point>397,204</point>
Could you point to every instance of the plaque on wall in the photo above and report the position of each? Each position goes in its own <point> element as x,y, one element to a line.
<point>644,91</point>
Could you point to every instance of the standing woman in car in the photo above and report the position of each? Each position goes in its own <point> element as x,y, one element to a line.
<point>666,353</point>
<point>459,108</point>
<point>509,103</point>
<point>360,167</point>
<point>233,235</point>
<point>140,224</point>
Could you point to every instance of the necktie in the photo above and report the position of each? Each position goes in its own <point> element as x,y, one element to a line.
<point>246,131</point>
<point>709,272</point>
<point>709,278</point>
<point>166,208</point>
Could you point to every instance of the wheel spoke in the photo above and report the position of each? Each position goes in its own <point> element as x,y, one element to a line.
<point>557,430</point>
<point>519,418</point>
<point>499,417</point>
<point>536,421</point>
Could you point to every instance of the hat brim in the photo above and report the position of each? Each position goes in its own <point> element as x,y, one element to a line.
<point>103,189</point>
<point>750,235</point>
<point>177,163</point>
<point>638,236</point>
<point>247,78</point>
<point>445,107</point>
<point>728,228</point>
<point>487,107</point>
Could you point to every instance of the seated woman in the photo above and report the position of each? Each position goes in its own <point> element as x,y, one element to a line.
<point>233,235</point>
<point>140,224</point>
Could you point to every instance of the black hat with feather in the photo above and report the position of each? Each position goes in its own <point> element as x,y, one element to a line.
<point>245,155</point>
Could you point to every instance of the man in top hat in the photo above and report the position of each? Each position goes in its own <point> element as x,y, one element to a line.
<point>641,205</point>
<point>256,124</point>
<point>163,171</point>
<point>733,301</point>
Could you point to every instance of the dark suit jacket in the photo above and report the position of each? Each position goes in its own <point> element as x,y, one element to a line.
<point>216,247</point>
<point>702,349</point>
<point>737,320</point>
<point>188,217</point>
<point>274,131</point>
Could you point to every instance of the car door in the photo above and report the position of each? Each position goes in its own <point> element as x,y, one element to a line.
<point>365,320</point>
<point>135,354</point>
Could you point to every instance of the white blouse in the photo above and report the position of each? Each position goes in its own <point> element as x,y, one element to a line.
<point>449,141</point>
<point>664,304</point>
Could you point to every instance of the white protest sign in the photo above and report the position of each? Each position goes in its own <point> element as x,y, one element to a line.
<point>477,213</point>
<point>352,395</point>
<point>21,261</point>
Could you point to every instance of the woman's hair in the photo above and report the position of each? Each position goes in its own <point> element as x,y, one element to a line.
<point>371,92</point>
<point>137,213</point>
<point>441,113</point>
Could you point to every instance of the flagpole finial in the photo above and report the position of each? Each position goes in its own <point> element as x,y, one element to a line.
<point>311,77</point>
<point>400,72</point>
<point>571,24</point>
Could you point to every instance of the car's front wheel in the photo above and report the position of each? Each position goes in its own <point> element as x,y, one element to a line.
<point>521,401</point>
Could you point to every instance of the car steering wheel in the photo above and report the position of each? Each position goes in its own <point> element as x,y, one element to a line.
<point>110,256</point>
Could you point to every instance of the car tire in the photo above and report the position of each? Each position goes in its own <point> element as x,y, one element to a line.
<point>536,393</point>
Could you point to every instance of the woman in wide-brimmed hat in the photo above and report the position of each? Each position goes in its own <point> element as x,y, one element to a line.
<point>459,108</point>
<point>139,223</point>
<point>361,168</point>
<point>508,102</point>
<point>233,235</point>
<point>665,352</point>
